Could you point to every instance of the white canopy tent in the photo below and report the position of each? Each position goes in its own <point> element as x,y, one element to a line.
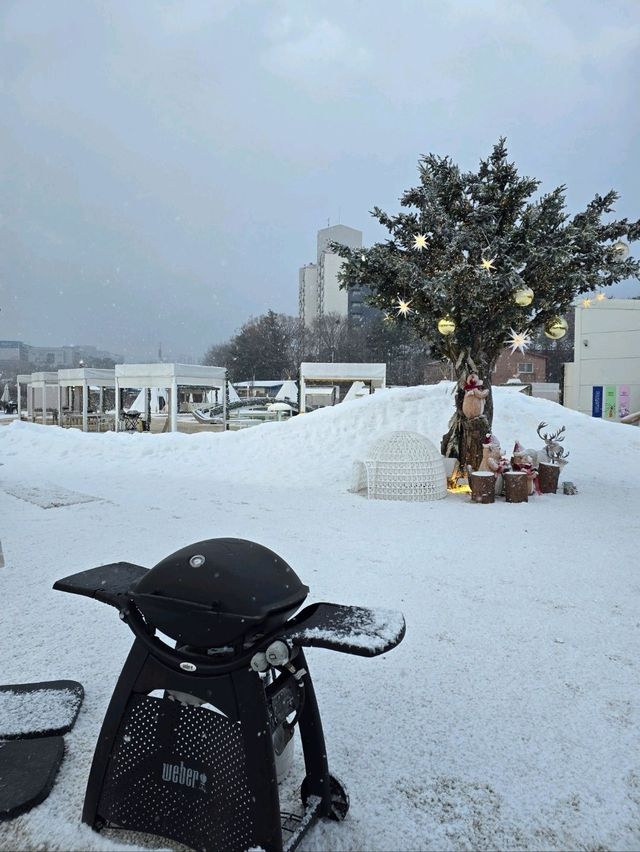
<point>157,402</point>
<point>289,390</point>
<point>22,381</point>
<point>172,377</point>
<point>43,386</point>
<point>313,374</point>
<point>357,390</point>
<point>84,377</point>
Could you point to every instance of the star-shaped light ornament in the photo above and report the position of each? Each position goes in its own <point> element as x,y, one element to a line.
<point>586,303</point>
<point>420,242</point>
<point>600,297</point>
<point>403,307</point>
<point>488,265</point>
<point>518,340</point>
<point>387,317</point>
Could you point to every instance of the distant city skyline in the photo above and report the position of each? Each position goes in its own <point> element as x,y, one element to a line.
<point>166,166</point>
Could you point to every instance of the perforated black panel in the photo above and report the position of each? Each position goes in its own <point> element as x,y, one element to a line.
<point>179,771</point>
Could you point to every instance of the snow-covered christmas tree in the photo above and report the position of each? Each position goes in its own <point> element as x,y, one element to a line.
<point>481,260</point>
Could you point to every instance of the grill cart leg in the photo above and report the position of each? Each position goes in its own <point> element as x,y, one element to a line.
<point>106,740</point>
<point>334,801</point>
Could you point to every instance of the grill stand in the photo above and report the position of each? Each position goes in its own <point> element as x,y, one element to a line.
<point>240,694</point>
<point>206,776</point>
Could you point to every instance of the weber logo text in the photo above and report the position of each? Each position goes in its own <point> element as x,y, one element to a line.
<point>178,773</point>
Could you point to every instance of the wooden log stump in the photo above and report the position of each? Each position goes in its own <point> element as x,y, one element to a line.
<point>483,486</point>
<point>548,475</point>
<point>516,487</point>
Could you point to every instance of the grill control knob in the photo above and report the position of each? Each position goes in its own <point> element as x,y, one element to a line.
<point>259,662</point>
<point>278,653</point>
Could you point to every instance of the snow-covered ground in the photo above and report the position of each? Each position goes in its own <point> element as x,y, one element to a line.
<point>508,717</point>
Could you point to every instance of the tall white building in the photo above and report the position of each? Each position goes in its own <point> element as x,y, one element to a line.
<point>319,289</point>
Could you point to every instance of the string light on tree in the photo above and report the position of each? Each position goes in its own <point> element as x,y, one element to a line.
<point>446,326</point>
<point>556,328</point>
<point>600,297</point>
<point>523,296</point>
<point>518,340</point>
<point>402,308</point>
<point>586,303</point>
<point>420,242</point>
<point>488,265</point>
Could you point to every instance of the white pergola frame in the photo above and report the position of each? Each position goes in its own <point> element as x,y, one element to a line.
<point>23,379</point>
<point>326,373</point>
<point>171,376</point>
<point>37,381</point>
<point>84,377</point>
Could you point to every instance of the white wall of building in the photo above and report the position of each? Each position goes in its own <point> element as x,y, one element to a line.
<point>335,300</point>
<point>319,289</point>
<point>338,234</point>
<point>308,293</point>
<point>607,356</point>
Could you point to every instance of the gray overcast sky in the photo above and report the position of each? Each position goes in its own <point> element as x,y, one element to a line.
<point>165,165</point>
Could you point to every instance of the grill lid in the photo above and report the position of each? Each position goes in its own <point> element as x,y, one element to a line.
<point>219,591</point>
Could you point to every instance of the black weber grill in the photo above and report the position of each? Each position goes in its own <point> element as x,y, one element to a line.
<point>188,745</point>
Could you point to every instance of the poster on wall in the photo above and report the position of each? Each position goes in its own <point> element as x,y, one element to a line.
<point>610,400</point>
<point>596,401</point>
<point>623,400</point>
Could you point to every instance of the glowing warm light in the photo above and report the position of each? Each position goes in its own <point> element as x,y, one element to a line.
<point>459,489</point>
<point>487,265</point>
<point>518,340</point>
<point>586,303</point>
<point>420,242</point>
<point>600,297</point>
<point>403,307</point>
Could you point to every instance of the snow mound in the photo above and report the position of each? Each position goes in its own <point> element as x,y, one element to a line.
<point>321,446</point>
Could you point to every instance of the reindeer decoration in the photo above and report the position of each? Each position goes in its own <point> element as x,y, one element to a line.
<point>553,448</point>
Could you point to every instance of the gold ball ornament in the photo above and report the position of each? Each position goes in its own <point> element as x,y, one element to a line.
<point>556,328</point>
<point>446,326</point>
<point>523,296</point>
<point>620,251</point>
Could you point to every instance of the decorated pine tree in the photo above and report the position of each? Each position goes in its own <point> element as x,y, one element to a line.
<point>480,260</point>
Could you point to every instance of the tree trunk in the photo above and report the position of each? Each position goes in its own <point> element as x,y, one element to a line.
<point>464,437</point>
<point>483,486</point>
<point>516,487</point>
<point>548,475</point>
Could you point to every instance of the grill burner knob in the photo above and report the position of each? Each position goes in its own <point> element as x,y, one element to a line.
<point>278,653</point>
<point>259,662</point>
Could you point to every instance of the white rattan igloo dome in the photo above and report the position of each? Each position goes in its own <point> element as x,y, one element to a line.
<point>402,466</point>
